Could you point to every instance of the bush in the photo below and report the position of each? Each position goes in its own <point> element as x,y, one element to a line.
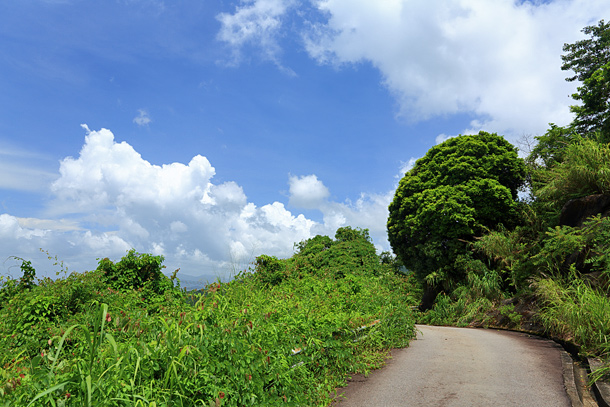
<point>136,271</point>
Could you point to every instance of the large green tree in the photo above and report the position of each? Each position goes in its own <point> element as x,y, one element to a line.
<point>456,191</point>
<point>589,59</point>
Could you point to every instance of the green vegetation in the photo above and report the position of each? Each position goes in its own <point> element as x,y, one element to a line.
<point>287,333</point>
<point>540,263</point>
<point>290,331</point>
<point>583,171</point>
<point>456,191</point>
<point>590,61</point>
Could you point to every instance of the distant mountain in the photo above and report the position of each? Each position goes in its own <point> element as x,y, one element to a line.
<point>197,282</point>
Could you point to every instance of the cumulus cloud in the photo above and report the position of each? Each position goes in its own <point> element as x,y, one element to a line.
<point>142,119</point>
<point>307,192</point>
<point>109,199</point>
<point>405,167</point>
<point>441,138</point>
<point>10,228</point>
<point>497,61</point>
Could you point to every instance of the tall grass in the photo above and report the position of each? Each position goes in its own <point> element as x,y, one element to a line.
<point>584,171</point>
<point>242,343</point>
<point>573,310</point>
<point>469,303</point>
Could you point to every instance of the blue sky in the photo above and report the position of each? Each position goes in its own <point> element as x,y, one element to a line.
<point>213,131</point>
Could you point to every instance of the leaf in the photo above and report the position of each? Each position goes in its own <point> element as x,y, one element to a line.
<point>48,391</point>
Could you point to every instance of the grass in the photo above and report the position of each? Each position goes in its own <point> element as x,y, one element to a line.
<point>76,342</point>
<point>574,310</point>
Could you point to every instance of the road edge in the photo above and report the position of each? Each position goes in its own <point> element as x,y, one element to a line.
<point>601,388</point>
<point>569,382</point>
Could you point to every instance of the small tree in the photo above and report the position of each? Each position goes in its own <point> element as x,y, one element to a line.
<point>590,61</point>
<point>136,271</point>
<point>550,147</point>
<point>351,253</point>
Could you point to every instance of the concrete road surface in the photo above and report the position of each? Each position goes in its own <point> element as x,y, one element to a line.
<point>465,367</point>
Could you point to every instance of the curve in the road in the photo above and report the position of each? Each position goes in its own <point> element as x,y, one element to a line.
<point>458,367</point>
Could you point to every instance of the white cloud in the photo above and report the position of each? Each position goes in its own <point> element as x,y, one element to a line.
<point>10,228</point>
<point>499,60</point>
<point>142,119</point>
<point>307,192</point>
<point>441,138</point>
<point>256,23</point>
<point>178,227</point>
<point>405,167</point>
<point>48,224</point>
<point>109,199</point>
<point>370,212</point>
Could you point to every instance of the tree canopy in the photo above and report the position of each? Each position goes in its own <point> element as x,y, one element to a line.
<point>351,252</point>
<point>456,191</point>
<point>589,59</point>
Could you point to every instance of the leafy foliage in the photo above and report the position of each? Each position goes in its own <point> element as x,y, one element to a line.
<point>575,311</point>
<point>257,340</point>
<point>590,242</point>
<point>550,147</point>
<point>352,252</point>
<point>585,170</point>
<point>456,191</point>
<point>136,271</point>
<point>590,61</point>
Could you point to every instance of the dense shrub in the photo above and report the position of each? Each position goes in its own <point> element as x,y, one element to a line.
<point>136,271</point>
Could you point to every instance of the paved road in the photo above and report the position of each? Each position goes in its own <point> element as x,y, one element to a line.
<point>465,367</point>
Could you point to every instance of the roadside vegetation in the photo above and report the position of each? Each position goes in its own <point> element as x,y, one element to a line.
<point>498,240</point>
<point>482,237</point>
<point>288,332</point>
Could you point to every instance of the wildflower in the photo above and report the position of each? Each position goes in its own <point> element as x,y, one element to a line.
<point>108,319</point>
<point>221,395</point>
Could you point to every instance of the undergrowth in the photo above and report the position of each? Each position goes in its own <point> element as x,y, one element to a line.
<point>287,333</point>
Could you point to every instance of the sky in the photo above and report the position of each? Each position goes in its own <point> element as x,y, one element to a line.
<point>211,132</point>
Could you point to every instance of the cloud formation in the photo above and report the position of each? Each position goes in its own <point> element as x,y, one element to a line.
<point>142,119</point>
<point>257,24</point>
<point>110,199</point>
<point>307,192</point>
<point>23,170</point>
<point>497,61</point>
